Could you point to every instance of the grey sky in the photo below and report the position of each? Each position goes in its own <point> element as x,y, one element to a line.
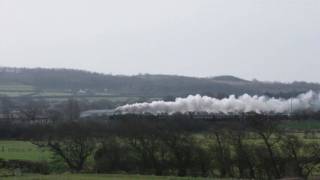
<point>263,39</point>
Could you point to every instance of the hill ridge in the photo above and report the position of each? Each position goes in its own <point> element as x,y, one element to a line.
<point>154,85</point>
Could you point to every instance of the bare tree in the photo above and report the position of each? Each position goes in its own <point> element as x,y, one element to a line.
<point>74,151</point>
<point>73,142</point>
<point>222,152</point>
<point>270,134</point>
<point>6,107</point>
<point>301,163</point>
<point>72,110</point>
<point>32,110</point>
<point>243,154</point>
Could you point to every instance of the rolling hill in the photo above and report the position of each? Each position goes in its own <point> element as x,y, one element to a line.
<point>27,81</point>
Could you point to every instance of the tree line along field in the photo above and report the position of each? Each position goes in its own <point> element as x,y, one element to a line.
<point>254,146</point>
<point>25,150</point>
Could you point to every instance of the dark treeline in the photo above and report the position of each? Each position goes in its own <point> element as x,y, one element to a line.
<point>148,85</point>
<point>39,109</point>
<point>255,147</point>
<point>235,146</point>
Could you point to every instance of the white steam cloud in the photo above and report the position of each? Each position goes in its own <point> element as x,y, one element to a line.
<point>196,103</point>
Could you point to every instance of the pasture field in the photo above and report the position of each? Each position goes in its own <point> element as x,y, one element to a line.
<point>16,87</point>
<point>16,90</point>
<point>109,98</point>
<point>97,177</point>
<point>302,125</point>
<point>16,93</point>
<point>22,150</point>
<point>53,94</point>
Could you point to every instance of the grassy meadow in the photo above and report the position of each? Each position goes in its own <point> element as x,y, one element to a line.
<point>22,150</point>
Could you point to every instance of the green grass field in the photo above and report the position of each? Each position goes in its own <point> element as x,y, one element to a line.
<point>302,125</point>
<point>22,150</point>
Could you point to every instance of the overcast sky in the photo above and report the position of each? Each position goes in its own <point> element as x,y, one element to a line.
<point>263,39</point>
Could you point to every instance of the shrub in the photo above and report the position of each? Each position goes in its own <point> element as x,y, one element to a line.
<point>26,166</point>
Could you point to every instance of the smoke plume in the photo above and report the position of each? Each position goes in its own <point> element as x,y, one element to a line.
<point>259,104</point>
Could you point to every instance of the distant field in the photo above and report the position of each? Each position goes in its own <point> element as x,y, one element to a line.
<point>19,90</point>
<point>15,90</point>
<point>97,177</point>
<point>22,150</point>
<point>54,93</point>
<point>15,93</point>
<point>302,125</point>
<point>16,87</point>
